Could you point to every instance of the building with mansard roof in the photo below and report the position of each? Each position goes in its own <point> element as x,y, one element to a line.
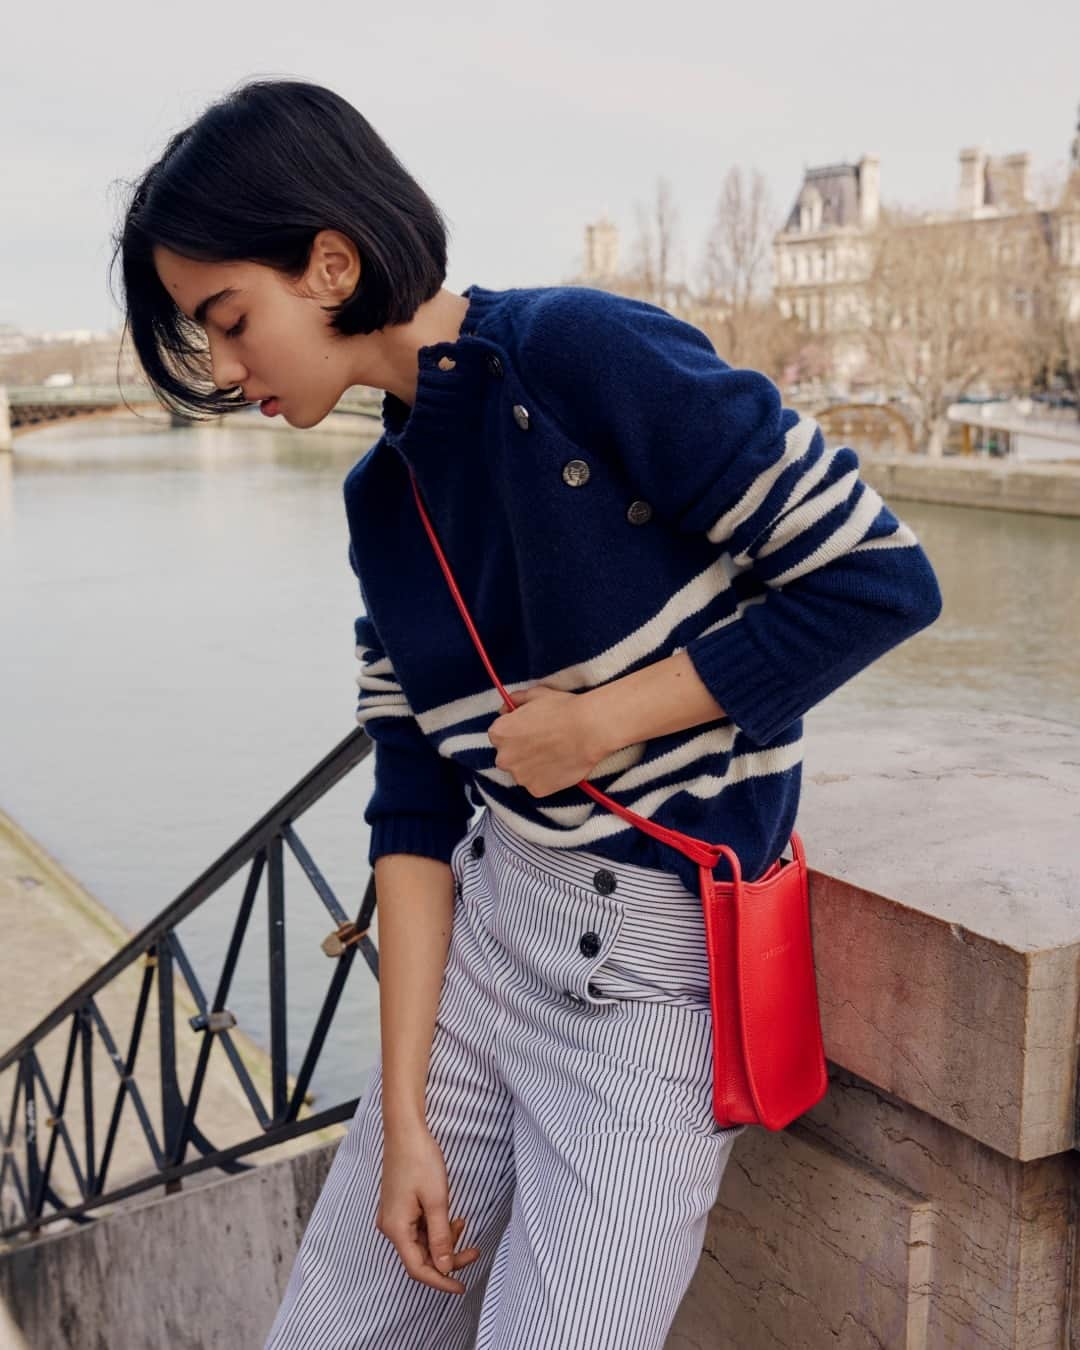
<point>821,255</point>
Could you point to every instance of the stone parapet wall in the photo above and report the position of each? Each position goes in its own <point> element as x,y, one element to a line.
<point>928,1202</point>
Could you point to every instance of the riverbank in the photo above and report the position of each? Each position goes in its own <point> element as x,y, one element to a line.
<point>354,416</point>
<point>1000,484</point>
<point>1051,488</point>
<point>56,935</point>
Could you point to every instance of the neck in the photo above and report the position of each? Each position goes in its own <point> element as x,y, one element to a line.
<point>390,359</point>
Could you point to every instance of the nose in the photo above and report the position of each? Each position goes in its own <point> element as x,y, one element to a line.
<point>225,370</point>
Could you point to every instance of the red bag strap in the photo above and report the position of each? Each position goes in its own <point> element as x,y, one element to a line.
<point>697,850</point>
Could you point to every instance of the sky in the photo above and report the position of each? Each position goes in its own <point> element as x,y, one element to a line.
<point>522,122</point>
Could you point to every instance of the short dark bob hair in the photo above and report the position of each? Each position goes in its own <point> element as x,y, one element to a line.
<point>254,179</point>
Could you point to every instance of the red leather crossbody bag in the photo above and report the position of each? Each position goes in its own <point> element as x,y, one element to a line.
<point>768,1057</point>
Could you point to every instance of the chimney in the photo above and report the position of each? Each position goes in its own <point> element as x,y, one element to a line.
<point>1074,149</point>
<point>601,248</point>
<point>1014,172</point>
<point>972,193</point>
<point>869,190</point>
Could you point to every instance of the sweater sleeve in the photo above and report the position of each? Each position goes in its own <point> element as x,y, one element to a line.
<point>834,579</point>
<point>419,803</point>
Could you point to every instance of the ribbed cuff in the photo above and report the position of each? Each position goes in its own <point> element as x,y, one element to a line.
<point>760,699</point>
<point>428,836</point>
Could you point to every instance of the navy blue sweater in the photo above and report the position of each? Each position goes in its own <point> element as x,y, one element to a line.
<point>608,491</point>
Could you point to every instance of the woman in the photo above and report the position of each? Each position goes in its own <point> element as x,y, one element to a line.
<point>667,569</point>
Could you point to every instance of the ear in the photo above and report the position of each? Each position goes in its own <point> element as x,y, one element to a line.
<point>334,264</point>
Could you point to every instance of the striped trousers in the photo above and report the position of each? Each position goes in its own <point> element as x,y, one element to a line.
<point>569,1089</point>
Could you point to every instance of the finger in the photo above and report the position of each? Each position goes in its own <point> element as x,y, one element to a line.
<point>465,1255</point>
<point>440,1243</point>
<point>417,1261</point>
<point>458,1259</point>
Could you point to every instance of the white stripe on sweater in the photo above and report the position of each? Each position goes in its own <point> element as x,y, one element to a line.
<point>580,832</point>
<point>901,537</point>
<point>691,599</point>
<point>842,539</point>
<point>802,510</point>
<point>796,443</point>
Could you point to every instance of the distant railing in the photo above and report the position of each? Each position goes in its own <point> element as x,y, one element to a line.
<point>353,400</point>
<point>33,405</point>
<point>261,848</point>
<point>62,395</point>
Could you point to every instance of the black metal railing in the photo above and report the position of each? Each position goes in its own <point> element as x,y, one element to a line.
<point>158,946</point>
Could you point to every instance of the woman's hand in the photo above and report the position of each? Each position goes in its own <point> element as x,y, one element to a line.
<point>413,1209</point>
<point>547,742</point>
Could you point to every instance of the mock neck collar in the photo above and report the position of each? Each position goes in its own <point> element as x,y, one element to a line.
<point>445,394</point>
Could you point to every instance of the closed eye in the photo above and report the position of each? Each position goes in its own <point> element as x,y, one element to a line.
<point>236,329</point>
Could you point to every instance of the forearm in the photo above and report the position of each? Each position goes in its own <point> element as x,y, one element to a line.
<point>415,915</point>
<point>665,697</point>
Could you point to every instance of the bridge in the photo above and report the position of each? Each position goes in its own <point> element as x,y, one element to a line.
<point>872,426</point>
<point>25,407</point>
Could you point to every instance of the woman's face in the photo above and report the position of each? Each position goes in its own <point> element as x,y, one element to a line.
<point>268,335</point>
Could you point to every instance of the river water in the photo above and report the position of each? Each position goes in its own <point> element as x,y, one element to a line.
<point>177,608</point>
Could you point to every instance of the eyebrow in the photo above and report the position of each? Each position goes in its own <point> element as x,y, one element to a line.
<point>203,305</point>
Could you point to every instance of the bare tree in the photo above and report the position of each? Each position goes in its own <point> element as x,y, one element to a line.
<point>948,303</point>
<point>735,270</point>
<point>654,248</point>
<point>736,307</point>
<point>1066,368</point>
<point>1059,348</point>
<point>731,304</point>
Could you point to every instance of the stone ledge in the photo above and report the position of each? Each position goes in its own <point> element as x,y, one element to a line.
<point>870,1225</point>
<point>947,943</point>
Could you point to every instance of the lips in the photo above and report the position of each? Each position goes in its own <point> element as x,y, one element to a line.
<point>269,407</point>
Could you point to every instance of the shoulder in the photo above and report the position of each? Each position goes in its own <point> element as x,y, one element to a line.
<point>620,368</point>
<point>586,355</point>
<point>587,322</point>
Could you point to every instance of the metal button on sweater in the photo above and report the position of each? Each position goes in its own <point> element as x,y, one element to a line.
<point>638,513</point>
<point>575,472</point>
<point>521,416</point>
<point>495,365</point>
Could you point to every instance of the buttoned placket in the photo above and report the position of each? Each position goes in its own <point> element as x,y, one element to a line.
<point>601,923</point>
<point>593,945</point>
